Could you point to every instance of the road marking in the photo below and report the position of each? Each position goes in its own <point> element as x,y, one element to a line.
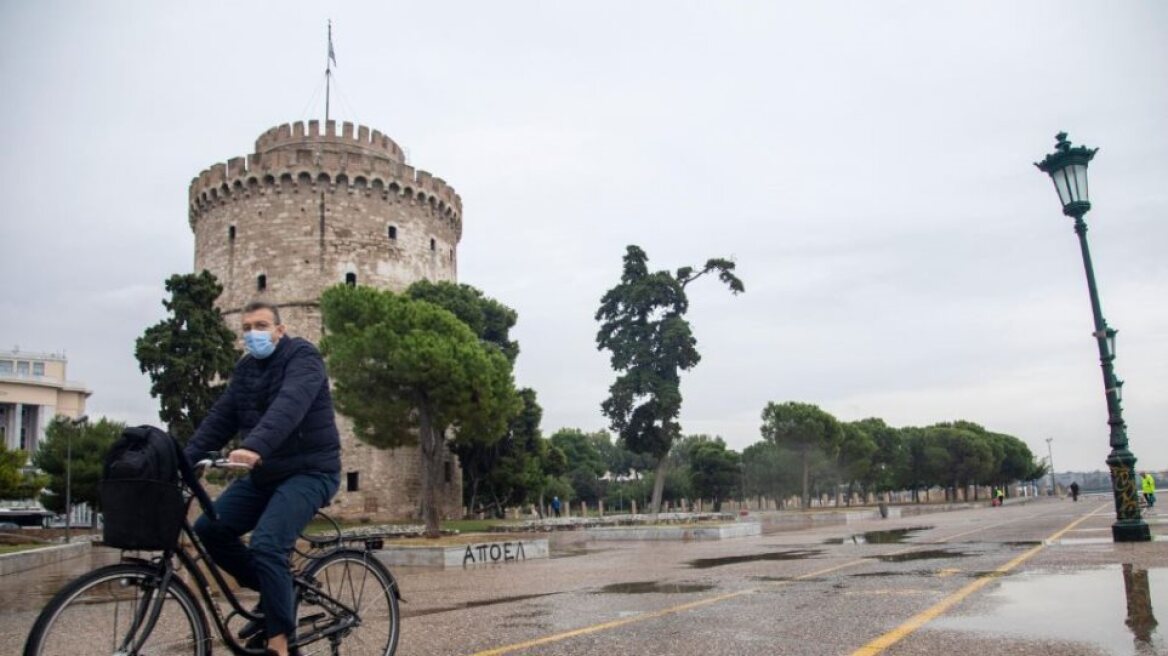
<point>507,649</point>
<point>641,617</point>
<point>920,619</point>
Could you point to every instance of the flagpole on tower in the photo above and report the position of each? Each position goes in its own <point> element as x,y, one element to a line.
<point>328,71</point>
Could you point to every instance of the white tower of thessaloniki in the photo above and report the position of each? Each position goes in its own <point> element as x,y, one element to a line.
<point>311,209</point>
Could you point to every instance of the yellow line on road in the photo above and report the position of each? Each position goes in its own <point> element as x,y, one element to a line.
<point>507,649</point>
<point>917,621</point>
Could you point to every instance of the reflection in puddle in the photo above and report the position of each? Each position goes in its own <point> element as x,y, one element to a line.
<point>1111,608</point>
<point>929,554</point>
<point>794,554</point>
<point>650,587</point>
<point>893,536</point>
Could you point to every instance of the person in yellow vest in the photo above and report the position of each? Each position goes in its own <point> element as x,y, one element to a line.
<point>999,496</point>
<point>1149,488</point>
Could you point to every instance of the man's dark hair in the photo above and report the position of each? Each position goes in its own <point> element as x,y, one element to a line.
<point>255,306</point>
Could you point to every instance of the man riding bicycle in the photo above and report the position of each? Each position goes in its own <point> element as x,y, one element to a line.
<point>278,402</point>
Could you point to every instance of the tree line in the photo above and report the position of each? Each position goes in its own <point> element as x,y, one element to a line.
<point>433,367</point>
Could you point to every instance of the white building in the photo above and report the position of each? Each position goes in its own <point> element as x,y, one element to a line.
<point>34,389</point>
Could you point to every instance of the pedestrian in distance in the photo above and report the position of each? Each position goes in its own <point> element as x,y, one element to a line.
<point>1074,490</point>
<point>1148,483</point>
<point>999,496</point>
<point>278,402</point>
<point>556,506</point>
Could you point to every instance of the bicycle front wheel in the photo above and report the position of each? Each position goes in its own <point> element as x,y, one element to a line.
<point>109,610</point>
<point>360,582</point>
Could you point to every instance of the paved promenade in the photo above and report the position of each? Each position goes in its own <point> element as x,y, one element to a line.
<point>1035,578</point>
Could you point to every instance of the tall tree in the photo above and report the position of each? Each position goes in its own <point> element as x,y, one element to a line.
<point>805,429</point>
<point>87,444</point>
<point>643,326</point>
<point>188,355</point>
<point>409,372</point>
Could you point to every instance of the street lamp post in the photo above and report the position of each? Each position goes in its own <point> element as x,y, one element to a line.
<point>68,483</point>
<point>1050,461</point>
<point>1067,167</point>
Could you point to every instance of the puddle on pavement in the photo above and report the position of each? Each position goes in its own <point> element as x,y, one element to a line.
<point>651,587</point>
<point>893,536</point>
<point>407,612</point>
<point>1023,543</point>
<point>794,554</point>
<point>1112,608</point>
<point>928,554</point>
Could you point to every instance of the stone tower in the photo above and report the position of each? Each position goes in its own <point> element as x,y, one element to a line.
<point>306,211</point>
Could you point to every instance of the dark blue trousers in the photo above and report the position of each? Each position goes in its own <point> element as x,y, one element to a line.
<point>275,514</point>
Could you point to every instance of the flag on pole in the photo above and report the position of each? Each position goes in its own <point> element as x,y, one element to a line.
<point>331,55</point>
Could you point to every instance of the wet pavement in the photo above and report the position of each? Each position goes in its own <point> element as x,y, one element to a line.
<point>1036,578</point>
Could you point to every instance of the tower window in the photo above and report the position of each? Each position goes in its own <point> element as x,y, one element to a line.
<point>351,279</point>
<point>393,232</point>
<point>351,481</point>
<point>433,244</point>
<point>261,282</point>
<point>231,233</point>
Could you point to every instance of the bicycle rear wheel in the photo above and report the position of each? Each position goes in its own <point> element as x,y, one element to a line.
<point>360,582</point>
<point>108,609</point>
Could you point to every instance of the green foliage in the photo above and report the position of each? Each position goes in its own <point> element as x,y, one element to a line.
<point>506,472</point>
<point>489,319</point>
<point>189,355</point>
<point>714,471</point>
<point>581,449</point>
<point>584,456</point>
<point>643,326</point>
<point>407,371</point>
<point>804,429</point>
<point>88,443</point>
<point>16,481</point>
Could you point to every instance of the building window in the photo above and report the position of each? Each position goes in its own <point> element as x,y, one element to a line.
<point>38,368</point>
<point>447,471</point>
<point>231,233</point>
<point>21,368</point>
<point>433,244</point>
<point>352,480</point>
<point>393,232</point>
<point>351,279</point>
<point>261,282</point>
<point>5,366</point>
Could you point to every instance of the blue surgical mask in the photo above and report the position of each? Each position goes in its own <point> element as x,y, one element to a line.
<point>259,343</point>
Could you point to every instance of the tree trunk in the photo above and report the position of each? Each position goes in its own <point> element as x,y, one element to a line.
<point>806,500</point>
<point>430,439</point>
<point>658,485</point>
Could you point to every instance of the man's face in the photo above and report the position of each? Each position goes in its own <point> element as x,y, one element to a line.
<point>264,321</point>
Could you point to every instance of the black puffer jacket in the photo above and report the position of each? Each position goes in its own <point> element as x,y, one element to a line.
<point>282,408</point>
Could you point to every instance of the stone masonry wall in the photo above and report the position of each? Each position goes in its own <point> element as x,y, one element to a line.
<point>309,210</point>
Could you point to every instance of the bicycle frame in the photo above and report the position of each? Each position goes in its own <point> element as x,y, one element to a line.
<point>149,612</point>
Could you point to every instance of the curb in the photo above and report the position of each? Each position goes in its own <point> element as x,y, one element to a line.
<point>33,558</point>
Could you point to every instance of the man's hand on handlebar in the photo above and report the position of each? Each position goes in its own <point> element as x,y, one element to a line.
<point>244,457</point>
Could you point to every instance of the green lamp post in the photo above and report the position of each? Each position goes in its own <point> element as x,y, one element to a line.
<point>1067,167</point>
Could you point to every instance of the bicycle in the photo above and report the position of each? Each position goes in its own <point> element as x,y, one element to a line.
<point>140,606</point>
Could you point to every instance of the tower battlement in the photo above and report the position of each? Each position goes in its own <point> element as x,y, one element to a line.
<point>363,139</point>
<point>293,157</point>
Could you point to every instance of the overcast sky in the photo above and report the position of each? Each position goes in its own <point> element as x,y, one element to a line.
<point>868,165</point>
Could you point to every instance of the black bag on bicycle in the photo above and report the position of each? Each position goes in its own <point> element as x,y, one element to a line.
<point>141,498</point>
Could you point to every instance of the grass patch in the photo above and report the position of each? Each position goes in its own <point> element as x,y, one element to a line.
<point>13,548</point>
<point>321,527</point>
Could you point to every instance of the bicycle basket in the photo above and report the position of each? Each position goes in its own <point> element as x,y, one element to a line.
<point>141,514</point>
